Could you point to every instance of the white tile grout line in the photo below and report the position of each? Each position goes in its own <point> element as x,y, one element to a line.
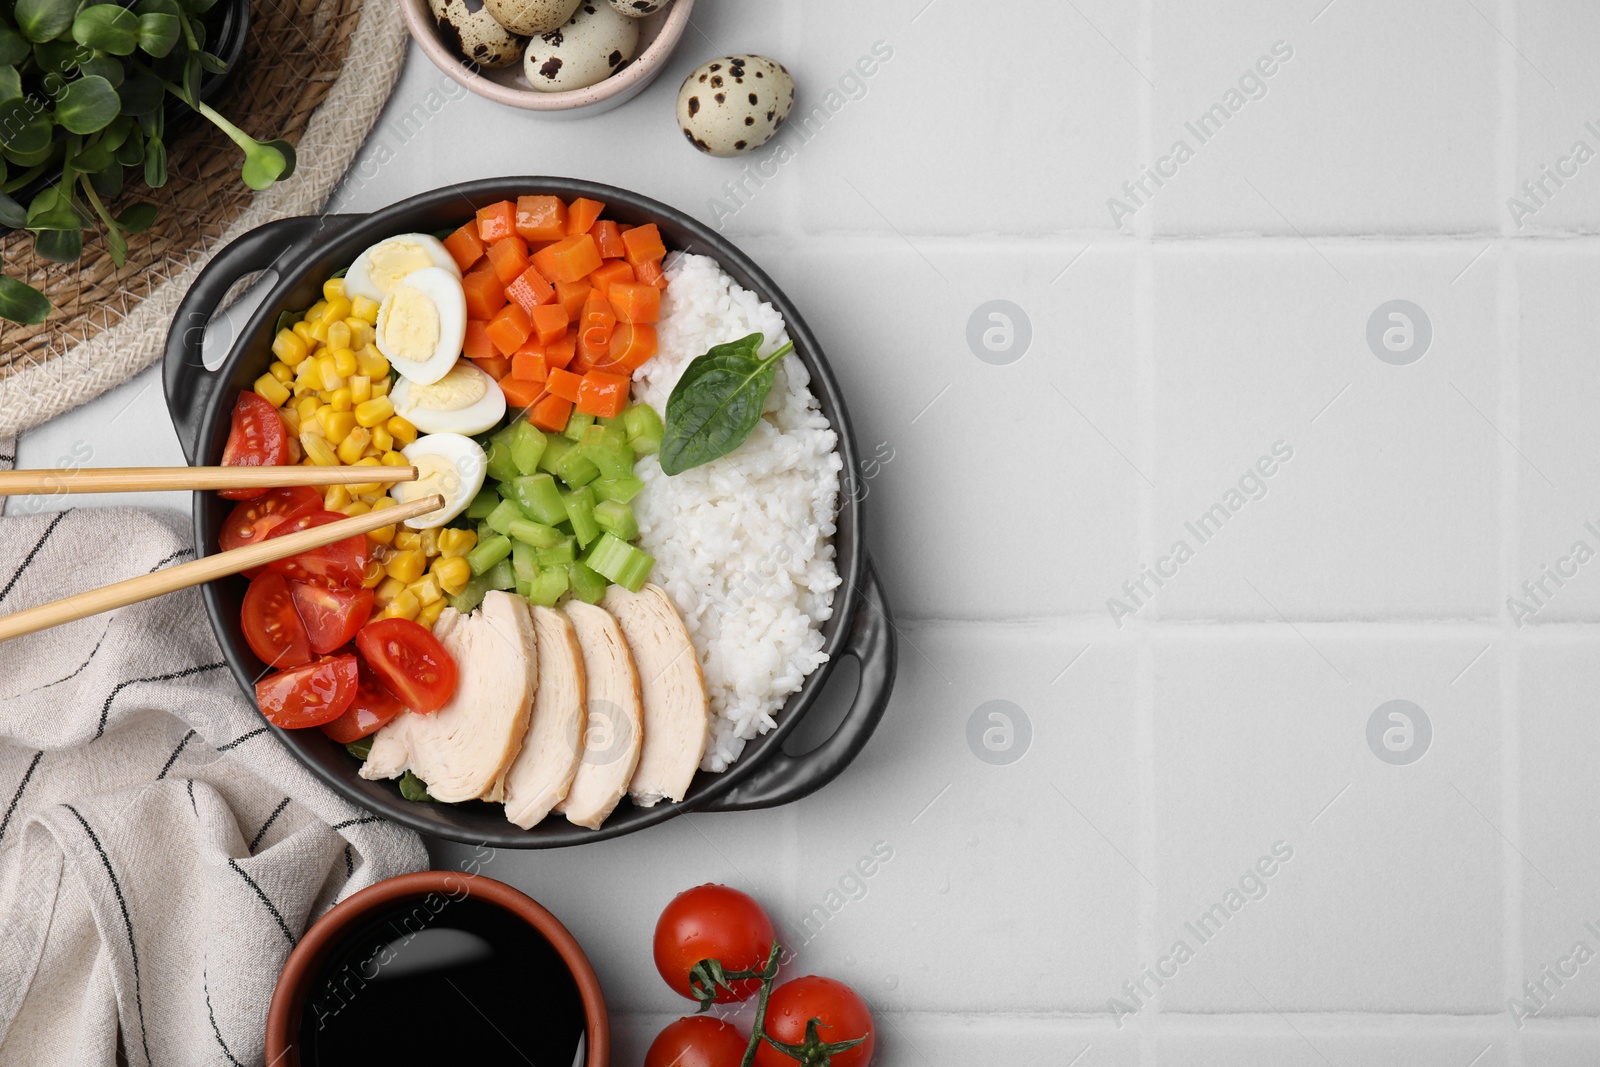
<point>1149,847</point>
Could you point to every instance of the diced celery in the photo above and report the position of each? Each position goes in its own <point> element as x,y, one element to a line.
<point>524,588</point>
<point>619,561</point>
<point>523,562</point>
<point>622,490</point>
<point>580,512</point>
<point>576,424</point>
<point>502,575</point>
<point>487,553</point>
<point>484,532</point>
<point>587,586</point>
<point>608,420</point>
<point>644,428</point>
<point>527,445</point>
<point>534,534</point>
<point>501,467</point>
<point>616,518</point>
<point>547,588</point>
<point>560,554</point>
<point>539,498</point>
<point>483,504</point>
<point>503,516</point>
<point>565,460</point>
<point>607,448</point>
<point>605,437</point>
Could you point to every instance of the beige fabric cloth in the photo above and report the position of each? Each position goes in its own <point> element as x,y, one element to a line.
<point>331,140</point>
<point>160,851</point>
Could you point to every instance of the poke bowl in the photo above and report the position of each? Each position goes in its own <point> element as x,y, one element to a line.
<point>787,602</point>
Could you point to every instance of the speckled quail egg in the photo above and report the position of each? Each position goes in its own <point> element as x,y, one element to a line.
<point>469,28</point>
<point>638,9</point>
<point>529,17</point>
<point>735,104</point>
<point>585,51</point>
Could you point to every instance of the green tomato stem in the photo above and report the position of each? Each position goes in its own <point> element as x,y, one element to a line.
<point>769,973</point>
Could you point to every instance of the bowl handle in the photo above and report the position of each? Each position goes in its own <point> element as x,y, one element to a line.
<point>189,386</point>
<point>784,778</point>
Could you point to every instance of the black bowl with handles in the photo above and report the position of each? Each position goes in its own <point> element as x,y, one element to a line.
<point>303,252</point>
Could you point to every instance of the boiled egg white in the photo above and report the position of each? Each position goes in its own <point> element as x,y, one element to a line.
<point>422,324</point>
<point>448,464</point>
<point>465,400</point>
<point>379,270</point>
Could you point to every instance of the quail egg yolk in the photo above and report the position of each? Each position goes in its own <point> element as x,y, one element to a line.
<point>463,387</point>
<point>390,262</point>
<point>411,328</point>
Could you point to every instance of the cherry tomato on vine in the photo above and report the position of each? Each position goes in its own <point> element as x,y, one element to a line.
<point>841,1015</point>
<point>698,1041</point>
<point>713,922</point>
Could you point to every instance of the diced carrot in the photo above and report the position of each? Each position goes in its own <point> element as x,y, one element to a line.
<point>635,301</point>
<point>610,273</point>
<point>561,351</point>
<point>651,274</point>
<point>529,365</point>
<point>583,214</point>
<point>644,245</point>
<point>597,312</point>
<point>497,221</point>
<point>541,218</point>
<point>563,384</point>
<point>551,413</point>
<point>464,246</point>
<point>486,294</point>
<point>509,329</point>
<point>568,259</point>
<point>603,395</point>
<point>477,345</point>
<point>497,368</point>
<point>608,238</point>
<point>529,290</point>
<point>549,322</point>
<point>509,255</point>
<point>571,296</point>
<point>520,392</point>
<point>633,344</point>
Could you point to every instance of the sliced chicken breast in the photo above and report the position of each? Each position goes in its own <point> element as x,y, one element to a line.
<point>614,731</point>
<point>462,749</point>
<point>676,713</point>
<point>542,773</point>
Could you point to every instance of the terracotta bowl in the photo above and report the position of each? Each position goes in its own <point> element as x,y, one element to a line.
<point>324,938</point>
<point>659,34</point>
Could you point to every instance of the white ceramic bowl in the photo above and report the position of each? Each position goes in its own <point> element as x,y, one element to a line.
<point>659,34</point>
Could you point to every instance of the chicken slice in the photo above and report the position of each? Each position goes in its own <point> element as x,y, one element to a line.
<point>542,773</point>
<point>676,714</point>
<point>462,749</point>
<point>614,732</point>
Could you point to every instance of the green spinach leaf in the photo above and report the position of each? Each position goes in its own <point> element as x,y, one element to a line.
<point>717,403</point>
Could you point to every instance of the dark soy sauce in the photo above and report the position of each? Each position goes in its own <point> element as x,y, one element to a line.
<point>447,981</point>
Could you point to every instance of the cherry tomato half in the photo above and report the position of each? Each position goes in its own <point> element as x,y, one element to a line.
<point>410,662</point>
<point>256,438</point>
<point>271,625</point>
<point>369,712</point>
<point>253,520</point>
<point>698,1041</point>
<point>310,695</point>
<point>343,563</point>
<point>332,616</point>
<point>840,1012</point>
<point>713,922</point>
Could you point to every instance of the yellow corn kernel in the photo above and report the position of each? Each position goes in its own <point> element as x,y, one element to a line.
<point>378,410</point>
<point>302,330</point>
<point>318,450</point>
<point>395,459</point>
<point>404,606</point>
<point>356,507</point>
<point>387,590</point>
<point>372,362</point>
<point>333,289</point>
<point>380,386</point>
<point>453,573</point>
<point>361,332</point>
<point>309,372</point>
<point>337,310</point>
<point>307,406</point>
<point>430,613</point>
<point>281,371</point>
<point>406,565</point>
<point>342,399</point>
<point>365,488</point>
<point>328,368</point>
<point>384,535</point>
<point>382,439</point>
<point>314,312</point>
<point>454,543</point>
<point>374,575</point>
<point>408,541</point>
<point>360,387</point>
<point>354,443</point>
<point>365,309</point>
<point>335,497</point>
<point>290,347</point>
<point>344,360</point>
<point>291,419</point>
<point>338,425</point>
<point>339,336</point>
<point>403,431</point>
<point>319,332</point>
<point>426,588</point>
<point>430,542</point>
<point>272,390</point>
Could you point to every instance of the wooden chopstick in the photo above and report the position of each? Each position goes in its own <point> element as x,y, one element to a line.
<point>168,479</point>
<point>205,569</point>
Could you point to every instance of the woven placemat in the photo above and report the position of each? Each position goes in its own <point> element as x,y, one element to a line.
<point>315,72</point>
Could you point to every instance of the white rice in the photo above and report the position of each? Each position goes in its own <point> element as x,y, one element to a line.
<point>743,544</point>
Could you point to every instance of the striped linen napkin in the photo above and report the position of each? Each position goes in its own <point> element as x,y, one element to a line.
<point>160,851</point>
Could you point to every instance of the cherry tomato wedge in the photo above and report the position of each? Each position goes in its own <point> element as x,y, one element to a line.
<point>410,662</point>
<point>256,438</point>
<point>271,625</point>
<point>251,521</point>
<point>332,616</point>
<point>372,709</point>
<point>841,1016</point>
<point>308,696</point>
<point>698,1041</point>
<point>343,563</point>
<point>713,922</point>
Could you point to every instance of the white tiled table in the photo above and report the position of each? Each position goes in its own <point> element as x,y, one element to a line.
<point>1228,712</point>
